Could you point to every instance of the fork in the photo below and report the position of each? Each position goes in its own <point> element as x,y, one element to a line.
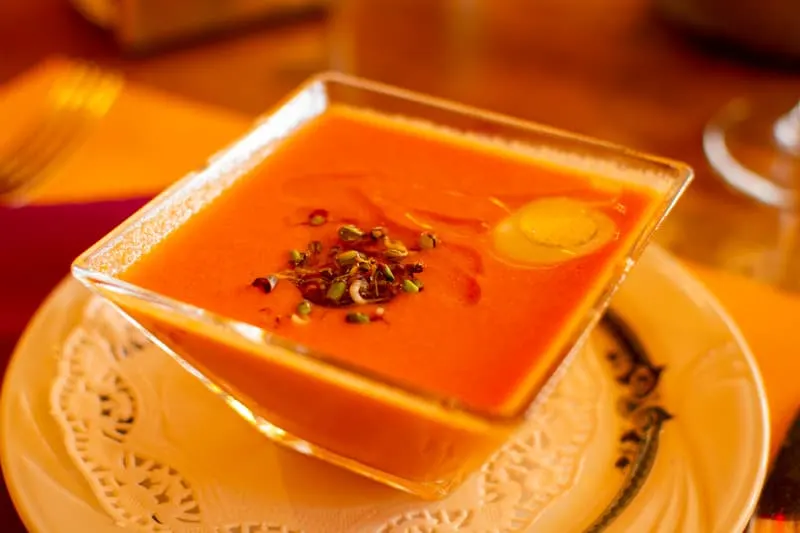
<point>76,101</point>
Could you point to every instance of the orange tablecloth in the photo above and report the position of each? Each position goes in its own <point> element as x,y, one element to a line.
<point>149,139</point>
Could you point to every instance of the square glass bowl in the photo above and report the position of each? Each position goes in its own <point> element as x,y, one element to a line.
<point>414,441</point>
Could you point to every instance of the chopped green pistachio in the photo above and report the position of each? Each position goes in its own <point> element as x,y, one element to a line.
<point>410,286</point>
<point>336,291</point>
<point>350,233</point>
<point>387,273</point>
<point>318,217</point>
<point>373,267</point>
<point>304,308</point>
<point>350,257</point>
<point>396,253</point>
<point>357,318</point>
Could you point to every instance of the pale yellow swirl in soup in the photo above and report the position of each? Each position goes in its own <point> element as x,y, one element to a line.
<point>552,230</point>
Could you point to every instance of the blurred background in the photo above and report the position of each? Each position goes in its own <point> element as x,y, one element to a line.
<point>649,74</point>
<point>707,82</point>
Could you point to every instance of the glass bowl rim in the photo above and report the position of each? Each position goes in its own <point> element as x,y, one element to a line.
<point>338,371</point>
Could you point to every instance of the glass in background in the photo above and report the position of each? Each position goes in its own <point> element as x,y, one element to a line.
<point>754,146</point>
<point>753,142</point>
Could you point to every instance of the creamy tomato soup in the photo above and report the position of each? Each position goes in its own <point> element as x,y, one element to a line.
<point>445,264</point>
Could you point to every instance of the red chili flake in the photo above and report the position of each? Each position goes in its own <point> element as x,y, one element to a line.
<point>315,247</point>
<point>469,289</point>
<point>415,268</point>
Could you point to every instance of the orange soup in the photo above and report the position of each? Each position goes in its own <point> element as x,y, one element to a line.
<point>445,264</point>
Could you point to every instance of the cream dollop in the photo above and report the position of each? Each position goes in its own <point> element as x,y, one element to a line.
<point>552,230</point>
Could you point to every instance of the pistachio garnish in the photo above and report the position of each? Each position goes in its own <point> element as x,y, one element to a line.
<point>387,273</point>
<point>366,265</point>
<point>350,233</point>
<point>336,291</point>
<point>358,268</point>
<point>377,233</point>
<point>395,255</point>
<point>428,241</point>
<point>296,257</point>
<point>350,257</point>
<point>357,318</point>
<point>318,217</point>
<point>395,250</point>
<point>304,308</point>
<point>410,286</point>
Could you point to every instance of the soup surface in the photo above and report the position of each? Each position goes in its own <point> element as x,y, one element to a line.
<point>447,264</point>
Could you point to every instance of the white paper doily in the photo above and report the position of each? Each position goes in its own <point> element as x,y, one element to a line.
<point>163,454</point>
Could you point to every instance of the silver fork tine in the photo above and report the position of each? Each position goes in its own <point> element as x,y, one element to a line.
<point>40,136</point>
<point>61,128</point>
<point>75,103</point>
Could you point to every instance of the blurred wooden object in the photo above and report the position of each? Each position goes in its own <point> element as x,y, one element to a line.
<point>144,25</point>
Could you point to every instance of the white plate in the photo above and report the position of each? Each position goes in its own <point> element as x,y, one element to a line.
<point>705,477</point>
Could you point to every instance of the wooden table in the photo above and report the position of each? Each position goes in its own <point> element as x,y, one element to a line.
<point>607,68</point>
